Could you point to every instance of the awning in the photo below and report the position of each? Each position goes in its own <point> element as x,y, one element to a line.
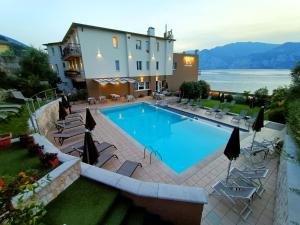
<point>114,80</point>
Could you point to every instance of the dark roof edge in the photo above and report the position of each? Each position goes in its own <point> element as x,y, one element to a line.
<point>52,43</point>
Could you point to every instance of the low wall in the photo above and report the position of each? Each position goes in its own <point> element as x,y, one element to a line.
<point>286,209</point>
<point>44,119</point>
<point>59,179</point>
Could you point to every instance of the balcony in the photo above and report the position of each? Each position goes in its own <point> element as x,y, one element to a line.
<point>75,75</point>
<point>71,51</point>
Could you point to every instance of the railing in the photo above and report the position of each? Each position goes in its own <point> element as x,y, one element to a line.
<point>71,50</point>
<point>152,152</point>
<point>36,101</point>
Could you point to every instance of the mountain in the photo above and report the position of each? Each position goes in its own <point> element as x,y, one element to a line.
<point>17,46</point>
<point>250,55</point>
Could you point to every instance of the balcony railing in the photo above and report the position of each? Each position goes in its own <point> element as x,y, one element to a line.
<point>71,50</point>
<point>75,75</point>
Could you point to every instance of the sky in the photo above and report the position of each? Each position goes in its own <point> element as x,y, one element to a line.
<point>196,24</point>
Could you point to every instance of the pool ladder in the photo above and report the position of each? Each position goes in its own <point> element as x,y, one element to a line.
<point>152,152</point>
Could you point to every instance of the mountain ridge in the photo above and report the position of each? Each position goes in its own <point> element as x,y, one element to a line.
<point>250,55</point>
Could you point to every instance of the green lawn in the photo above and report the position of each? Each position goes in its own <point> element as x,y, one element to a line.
<point>85,202</point>
<point>16,159</point>
<point>17,124</point>
<point>233,108</point>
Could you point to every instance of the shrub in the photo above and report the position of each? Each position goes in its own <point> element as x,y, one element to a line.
<point>261,96</point>
<point>79,95</point>
<point>194,90</point>
<point>279,96</point>
<point>295,87</point>
<point>277,115</point>
<point>215,96</point>
<point>240,99</point>
<point>3,95</point>
<point>293,118</point>
<point>229,97</point>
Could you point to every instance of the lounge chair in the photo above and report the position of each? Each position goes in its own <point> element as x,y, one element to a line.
<point>128,168</point>
<point>19,96</point>
<point>235,193</point>
<point>11,106</point>
<point>62,136</point>
<point>186,104</point>
<point>9,110</point>
<point>74,115</point>
<point>3,116</point>
<point>232,102</point>
<point>183,102</point>
<point>69,120</point>
<point>242,115</point>
<point>78,147</point>
<point>250,152</point>
<point>215,108</point>
<point>251,176</point>
<point>250,121</point>
<point>222,113</point>
<point>267,143</point>
<point>68,125</point>
<point>104,158</point>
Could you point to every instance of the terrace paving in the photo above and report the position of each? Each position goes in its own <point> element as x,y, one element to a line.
<point>204,174</point>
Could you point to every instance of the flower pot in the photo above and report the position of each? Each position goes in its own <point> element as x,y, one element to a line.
<point>54,163</point>
<point>5,140</point>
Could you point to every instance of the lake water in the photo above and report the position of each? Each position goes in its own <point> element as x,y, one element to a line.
<point>240,80</point>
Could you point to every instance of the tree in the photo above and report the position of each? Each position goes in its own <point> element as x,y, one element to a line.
<point>261,96</point>
<point>295,87</point>
<point>194,89</point>
<point>34,69</point>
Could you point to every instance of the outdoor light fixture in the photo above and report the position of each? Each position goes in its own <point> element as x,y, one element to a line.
<point>142,79</point>
<point>99,55</point>
<point>129,56</point>
<point>170,58</point>
<point>153,58</point>
<point>156,78</point>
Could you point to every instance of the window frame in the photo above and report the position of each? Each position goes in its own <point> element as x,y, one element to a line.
<point>138,45</point>
<point>115,37</point>
<point>142,85</point>
<point>157,65</point>
<point>117,65</point>
<point>174,65</point>
<point>157,46</point>
<point>148,65</point>
<point>139,65</point>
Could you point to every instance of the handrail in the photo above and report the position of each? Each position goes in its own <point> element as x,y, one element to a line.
<point>152,151</point>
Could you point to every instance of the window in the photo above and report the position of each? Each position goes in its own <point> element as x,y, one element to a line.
<point>142,85</point>
<point>138,65</point>
<point>157,46</point>
<point>117,64</point>
<point>138,44</point>
<point>147,46</point>
<point>64,65</point>
<point>148,65</point>
<point>157,65</point>
<point>174,65</point>
<point>52,50</point>
<point>115,41</point>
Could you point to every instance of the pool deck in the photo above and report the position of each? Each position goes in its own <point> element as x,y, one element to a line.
<point>206,173</point>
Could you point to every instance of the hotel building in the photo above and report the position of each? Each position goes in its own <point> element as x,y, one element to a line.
<point>107,61</point>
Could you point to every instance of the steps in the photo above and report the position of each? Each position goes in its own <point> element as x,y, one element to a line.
<point>87,202</point>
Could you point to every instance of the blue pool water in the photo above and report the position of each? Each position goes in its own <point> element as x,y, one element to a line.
<point>181,141</point>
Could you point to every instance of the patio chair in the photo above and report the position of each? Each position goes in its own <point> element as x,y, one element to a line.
<point>62,136</point>
<point>11,106</point>
<point>250,177</point>
<point>235,194</point>
<point>250,121</point>
<point>128,168</point>
<point>68,125</point>
<point>222,113</point>
<point>78,147</point>
<point>9,111</point>
<point>215,108</point>
<point>242,115</point>
<point>130,98</point>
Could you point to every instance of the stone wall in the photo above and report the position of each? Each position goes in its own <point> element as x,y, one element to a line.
<point>286,209</point>
<point>59,179</point>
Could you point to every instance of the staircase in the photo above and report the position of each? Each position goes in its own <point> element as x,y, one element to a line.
<point>87,202</point>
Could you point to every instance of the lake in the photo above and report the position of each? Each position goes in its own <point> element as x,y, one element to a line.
<point>240,80</point>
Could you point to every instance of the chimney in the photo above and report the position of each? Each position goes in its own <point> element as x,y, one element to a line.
<point>151,31</point>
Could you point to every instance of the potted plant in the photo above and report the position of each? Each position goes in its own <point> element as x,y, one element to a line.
<point>5,140</point>
<point>35,149</point>
<point>26,140</point>
<point>49,160</point>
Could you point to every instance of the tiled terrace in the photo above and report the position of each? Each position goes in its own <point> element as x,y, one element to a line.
<point>205,174</point>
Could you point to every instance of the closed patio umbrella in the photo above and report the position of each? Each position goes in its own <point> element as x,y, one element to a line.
<point>90,153</point>
<point>222,98</point>
<point>65,102</point>
<point>232,149</point>
<point>258,124</point>
<point>89,120</point>
<point>62,112</point>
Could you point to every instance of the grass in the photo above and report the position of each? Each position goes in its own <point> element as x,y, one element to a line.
<point>85,202</point>
<point>17,124</point>
<point>233,108</point>
<point>16,159</point>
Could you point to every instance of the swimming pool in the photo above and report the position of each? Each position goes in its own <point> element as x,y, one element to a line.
<point>182,142</point>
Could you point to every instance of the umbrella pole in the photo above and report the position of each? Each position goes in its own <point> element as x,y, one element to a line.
<point>253,140</point>
<point>228,170</point>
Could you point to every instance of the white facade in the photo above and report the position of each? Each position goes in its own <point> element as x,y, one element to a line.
<point>107,53</point>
